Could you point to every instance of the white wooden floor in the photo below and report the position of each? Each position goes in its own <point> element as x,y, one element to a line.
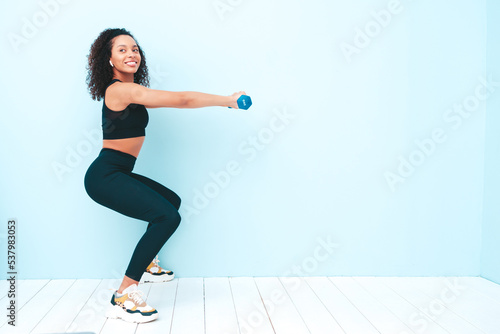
<point>266,305</point>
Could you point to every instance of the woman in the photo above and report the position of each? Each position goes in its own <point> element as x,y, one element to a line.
<point>117,72</point>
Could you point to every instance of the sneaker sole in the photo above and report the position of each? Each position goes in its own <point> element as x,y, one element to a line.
<point>116,312</point>
<point>149,278</point>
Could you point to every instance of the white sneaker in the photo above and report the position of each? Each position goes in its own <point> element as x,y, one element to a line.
<point>156,274</point>
<point>131,307</point>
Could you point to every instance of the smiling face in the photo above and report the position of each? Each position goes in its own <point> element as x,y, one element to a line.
<point>125,57</point>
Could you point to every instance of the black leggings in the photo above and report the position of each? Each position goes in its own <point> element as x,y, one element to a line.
<point>110,182</point>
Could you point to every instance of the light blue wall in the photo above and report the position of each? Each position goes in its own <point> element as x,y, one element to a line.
<point>490,252</point>
<point>312,196</point>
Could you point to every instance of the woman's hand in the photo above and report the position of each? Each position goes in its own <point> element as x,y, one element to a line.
<point>234,99</point>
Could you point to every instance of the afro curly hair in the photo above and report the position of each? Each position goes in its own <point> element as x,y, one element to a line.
<point>100,73</point>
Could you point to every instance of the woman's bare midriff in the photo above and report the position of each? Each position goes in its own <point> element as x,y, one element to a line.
<point>131,146</point>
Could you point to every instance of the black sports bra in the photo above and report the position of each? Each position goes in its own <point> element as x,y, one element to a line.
<point>128,123</point>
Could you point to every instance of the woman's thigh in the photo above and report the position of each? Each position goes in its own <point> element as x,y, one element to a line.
<point>168,194</point>
<point>131,197</point>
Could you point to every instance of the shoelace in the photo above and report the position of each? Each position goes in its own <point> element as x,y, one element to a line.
<point>156,261</point>
<point>137,296</point>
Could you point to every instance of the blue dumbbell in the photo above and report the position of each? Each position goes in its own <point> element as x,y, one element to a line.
<point>244,102</point>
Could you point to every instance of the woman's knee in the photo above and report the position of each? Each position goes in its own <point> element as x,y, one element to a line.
<point>169,217</point>
<point>177,201</point>
<point>165,227</point>
<point>177,219</point>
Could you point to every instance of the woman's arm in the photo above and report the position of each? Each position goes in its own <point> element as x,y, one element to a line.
<point>200,100</point>
<point>153,98</point>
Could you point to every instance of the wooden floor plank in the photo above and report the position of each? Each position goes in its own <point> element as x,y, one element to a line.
<point>39,304</point>
<point>452,294</point>
<point>91,317</point>
<point>162,297</point>
<point>346,314</point>
<point>268,305</point>
<point>251,313</point>
<point>381,318</point>
<point>315,315</point>
<point>189,313</point>
<point>430,308</point>
<point>402,308</point>
<point>484,286</point>
<point>220,314</point>
<point>284,316</point>
<point>60,317</point>
<point>26,290</point>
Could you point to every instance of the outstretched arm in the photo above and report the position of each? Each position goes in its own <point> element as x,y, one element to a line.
<point>200,100</point>
<point>153,98</point>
